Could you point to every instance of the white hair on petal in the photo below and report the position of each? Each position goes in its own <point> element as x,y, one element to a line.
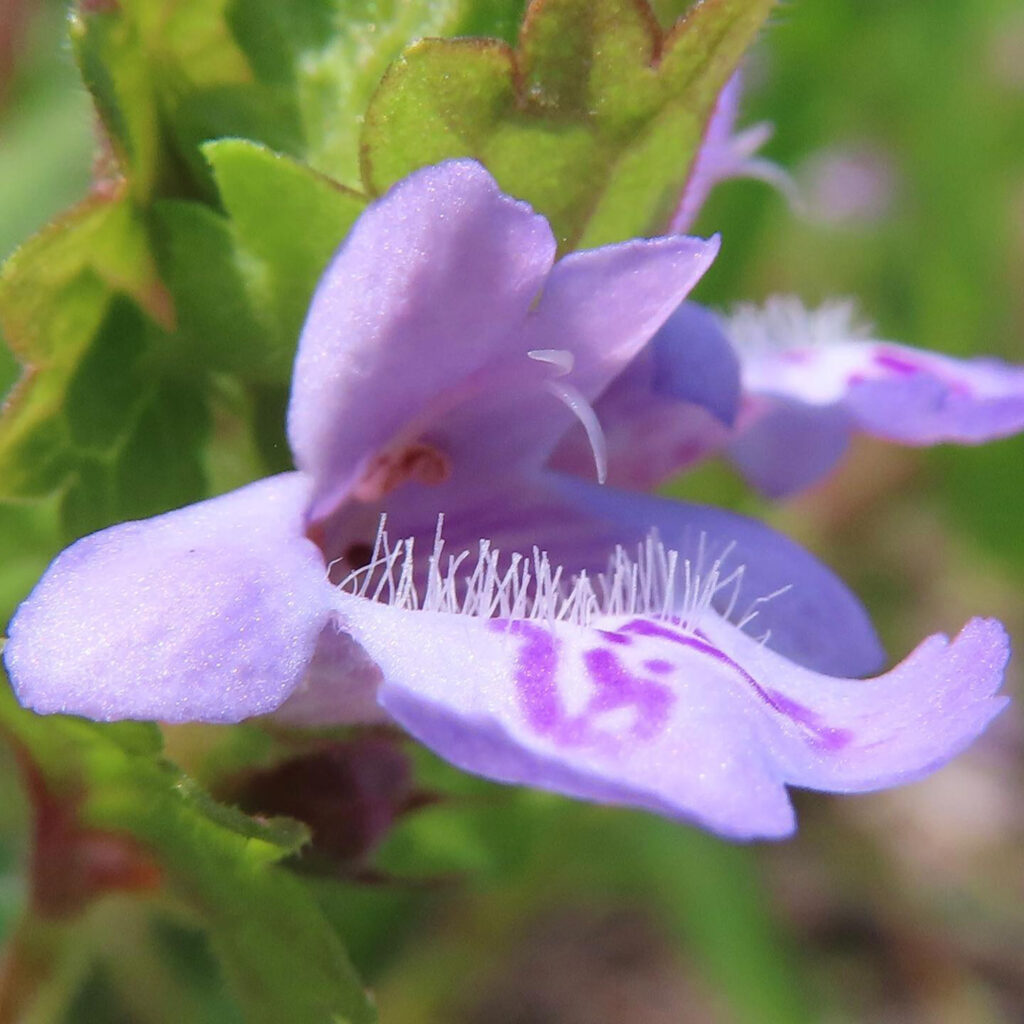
<point>785,322</point>
<point>653,582</point>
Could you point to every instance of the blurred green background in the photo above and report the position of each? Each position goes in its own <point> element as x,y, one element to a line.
<point>903,125</point>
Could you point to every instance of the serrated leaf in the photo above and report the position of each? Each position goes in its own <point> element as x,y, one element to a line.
<point>592,61</point>
<point>330,55</point>
<point>104,239</point>
<point>594,118</point>
<point>285,216</point>
<point>115,71</point>
<point>111,406</point>
<point>166,76</point>
<point>650,174</point>
<point>337,81</point>
<point>90,414</point>
<point>420,115</point>
<point>703,49</point>
<point>35,445</point>
<point>277,951</point>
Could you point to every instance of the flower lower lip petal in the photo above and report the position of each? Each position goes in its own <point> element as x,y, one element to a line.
<point>709,727</point>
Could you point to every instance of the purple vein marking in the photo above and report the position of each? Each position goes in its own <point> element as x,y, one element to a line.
<point>896,363</point>
<point>659,665</point>
<point>535,675</point>
<point>821,735</point>
<point>615,688</point>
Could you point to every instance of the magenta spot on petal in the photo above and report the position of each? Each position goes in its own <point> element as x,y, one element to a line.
<point>895,363</point>
<point>615,638</point>
<point>645,627</point>
<point>535,674</point>
<point>614,688</point>
<point>659,665</point>
<point>821,735</point>
<point>618,688</point>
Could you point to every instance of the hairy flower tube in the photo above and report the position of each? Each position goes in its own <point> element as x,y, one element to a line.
<point>599,642</point>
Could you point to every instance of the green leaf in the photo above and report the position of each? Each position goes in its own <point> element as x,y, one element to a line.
<point>668,11</point>
<point>155,465</point>
<point>98,413</point>
<point>497,18</point>
<point>56,296</point>
<point>102,239</point>
<point>115,71</point>
<point>420,115</point>
<point>94,413</point>
<point>28,537</point>
<point>220,300</point>
<point>108,385</point>
<point>337,80</point>
<point>649,175</point>
<point>593,61</point>
<point>330,55</point>
<point>703,49</point>
<point>281,958</point>
<point>167,76</point>
<point>160,465</point>
<point>595,118</point>
<point>285,217</point>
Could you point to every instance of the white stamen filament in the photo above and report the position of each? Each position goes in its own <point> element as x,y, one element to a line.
<point>584,412</point>
<point>655,583</point>
<point>563,362</point>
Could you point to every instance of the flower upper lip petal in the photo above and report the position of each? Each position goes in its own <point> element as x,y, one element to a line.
<point>422,327</point>
<point>420,294</point>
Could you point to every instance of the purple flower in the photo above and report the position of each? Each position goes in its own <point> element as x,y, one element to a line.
<point>726,153</point>
<point>792,387</point>
<point>813,378</point>
<point>632,655</point>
